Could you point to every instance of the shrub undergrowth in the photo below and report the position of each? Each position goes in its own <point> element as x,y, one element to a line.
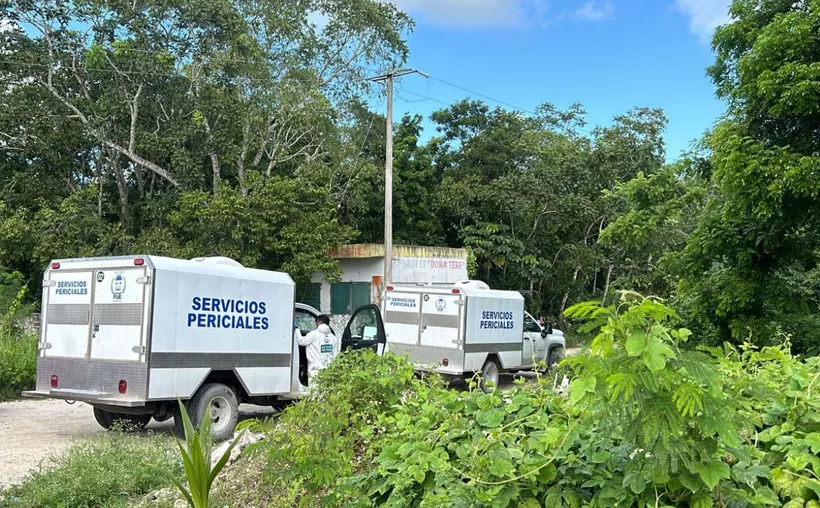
<point>646,421</point>
<point>105,471</point>
<point>18,350</point>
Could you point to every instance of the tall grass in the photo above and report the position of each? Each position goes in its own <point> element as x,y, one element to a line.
<point>18,352</point>
<point>108,470</point>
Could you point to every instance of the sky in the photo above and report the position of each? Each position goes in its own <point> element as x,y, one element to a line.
<point>608,55</point>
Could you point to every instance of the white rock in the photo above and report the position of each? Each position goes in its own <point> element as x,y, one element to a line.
<point>247,438</point>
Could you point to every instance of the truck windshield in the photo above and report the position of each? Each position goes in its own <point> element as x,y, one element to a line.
<point>306,321</point>
<point>530,325</point>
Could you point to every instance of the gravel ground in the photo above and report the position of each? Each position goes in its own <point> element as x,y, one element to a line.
<point>33,430</point>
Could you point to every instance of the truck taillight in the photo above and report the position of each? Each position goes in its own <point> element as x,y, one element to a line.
<point>123,387</point>
<point>389,288</point>
<point>55,381</point>
<point>139,262</point>
<point>55,266</point>
<point>456,291</point>
<point>445,362</point>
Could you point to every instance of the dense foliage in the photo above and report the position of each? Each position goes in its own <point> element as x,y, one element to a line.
<point>240,129</point>
<point>18,347</point>
<point>751,266</point>
<point>645,422</point>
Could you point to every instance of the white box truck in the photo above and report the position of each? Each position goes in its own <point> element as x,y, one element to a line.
<point>129,335</point>
<point>465,329</point>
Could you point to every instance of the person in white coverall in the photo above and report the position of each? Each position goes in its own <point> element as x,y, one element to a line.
<point>321,347</point>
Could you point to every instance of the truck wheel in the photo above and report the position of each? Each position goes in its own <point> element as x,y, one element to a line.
<point>556,356</point>
<point>103,417</point>
<point>224,412</point>
<point>489,376</point>
<point>108,420</point>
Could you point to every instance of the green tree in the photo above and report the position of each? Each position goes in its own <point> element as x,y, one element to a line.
<point>124,123</point>
<point>751,266</point>
<point>657,215</point>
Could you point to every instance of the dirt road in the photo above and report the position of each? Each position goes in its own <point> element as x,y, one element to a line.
<point>33,430</point>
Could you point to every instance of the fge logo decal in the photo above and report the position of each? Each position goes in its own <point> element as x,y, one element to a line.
<point>440,304</point>
<point>118,286</point>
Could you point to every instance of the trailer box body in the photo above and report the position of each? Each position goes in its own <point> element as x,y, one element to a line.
<point>455,330</point>
<point>126,331</point>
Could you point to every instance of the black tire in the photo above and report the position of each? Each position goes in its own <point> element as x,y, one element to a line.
<point>224,410</point>
<point>119,421</point>
<point>556,356</point>
<point>103,417</point>
<point>489,376</point>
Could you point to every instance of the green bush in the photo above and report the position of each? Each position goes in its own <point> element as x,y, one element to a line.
<point>645,423</point>
<point>18,350</point>
<point>329,434</point>
<point>105,471</point>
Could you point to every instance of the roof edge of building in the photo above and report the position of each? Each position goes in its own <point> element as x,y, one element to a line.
<point>376,250</point>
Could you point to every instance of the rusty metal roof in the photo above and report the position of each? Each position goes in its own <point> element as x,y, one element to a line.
<point>376,250</point>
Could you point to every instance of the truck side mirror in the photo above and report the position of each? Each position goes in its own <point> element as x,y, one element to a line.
<point>547,330</point>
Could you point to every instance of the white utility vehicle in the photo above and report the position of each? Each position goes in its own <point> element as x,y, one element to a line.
<point>130,335</point>
<point>466,329</point>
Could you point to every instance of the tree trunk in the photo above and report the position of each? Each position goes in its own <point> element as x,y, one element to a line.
<point>100,183</point>
<point>122,186</point>
<point>139,176</point>
<point>564,298</point>
<point>606,282</point>
<point>212,154</point>
<point>240,162</point>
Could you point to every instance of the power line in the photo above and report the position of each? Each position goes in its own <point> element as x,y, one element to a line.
<point>426,97</point>
<point>483,96</point>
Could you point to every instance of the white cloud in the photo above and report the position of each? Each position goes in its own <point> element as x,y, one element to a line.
<point>476,13</point>
<point>704,15</point>
<point>594,11</point>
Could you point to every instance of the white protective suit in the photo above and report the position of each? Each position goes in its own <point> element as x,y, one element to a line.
<point>321,347</point>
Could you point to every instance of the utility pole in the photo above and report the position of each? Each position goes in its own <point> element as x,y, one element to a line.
<point>388,169</point>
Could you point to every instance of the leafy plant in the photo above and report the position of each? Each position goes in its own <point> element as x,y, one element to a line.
<point>646,422</point>
<point>332,433</point>
<point>196,460</point>
<point>18,350</point>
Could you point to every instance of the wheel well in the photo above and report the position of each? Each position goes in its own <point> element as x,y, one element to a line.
<point>230,379</point>
<point>494,358</point>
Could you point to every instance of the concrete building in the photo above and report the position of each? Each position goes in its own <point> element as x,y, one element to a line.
<point>362,268</point>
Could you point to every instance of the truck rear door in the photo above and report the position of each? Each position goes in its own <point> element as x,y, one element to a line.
<point>117,313</point>
<point>67,309</point>
<point>402,315</point>
<point>94,313</point>
<point>440,320</point>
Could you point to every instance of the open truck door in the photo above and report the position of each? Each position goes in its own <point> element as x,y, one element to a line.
<point>365,330</point>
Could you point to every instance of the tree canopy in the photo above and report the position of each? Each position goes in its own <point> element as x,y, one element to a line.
<point>244,129</point>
